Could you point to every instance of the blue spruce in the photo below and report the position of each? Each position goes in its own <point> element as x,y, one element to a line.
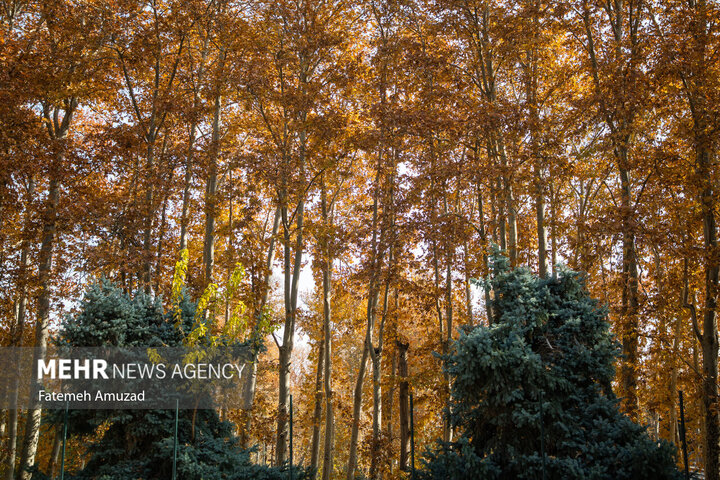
<point>138,444</point>
<point>550,343</point>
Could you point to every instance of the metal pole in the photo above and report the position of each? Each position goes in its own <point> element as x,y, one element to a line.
<point>542,436</point>
<point>62,461</point>
<point>682,435</point>
<point>412,439</point>
<point>291,438</point>
<point>175,441</point>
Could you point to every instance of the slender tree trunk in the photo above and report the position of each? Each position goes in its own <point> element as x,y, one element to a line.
<point>55,454</point>
<point>191,150</point>
<point>696,73</point>
<point>709,339</point>
<point>17,337</point>
<point>317,411</point>
<point>186,192</point>
<point>376,354</point>
<point>628,370</point>
<point>531,87</point>
<point>357,396</point>
<point>291,272</point>
<point>468,290</point>
<point>250,383</point>
<point>376,361</point>
<point>447,429</point>
<point>553,233</point>
<point>12,434</point>
<point>494,217</point>
<point>370,327</point>
<point>674,326</point>
<point>357,405</point>
<point>389,400</point>
<point>619,121</point>
<point>57,132</point>
<point>437,293</point>
<point>161,241</point>
<point>509,204</point>
<point>211,196</point>
<point>673,422</point>
<point>486,260</point>
<point>540,221</point>
<point>4,181</point>
<point>506,218</point>
<point>501,217</point>
<point>149,214</point>
<point>230,251</point>
<point>285,349</point>
<point>446,329</point>
<point>327,339</point>
<point>34,413</point>
<point>163,228</point>
<point>404,403</point>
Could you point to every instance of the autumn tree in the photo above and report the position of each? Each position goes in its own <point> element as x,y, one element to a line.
<point>688,35</point>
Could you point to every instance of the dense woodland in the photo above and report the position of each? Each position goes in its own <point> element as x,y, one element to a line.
<point>334,175</point>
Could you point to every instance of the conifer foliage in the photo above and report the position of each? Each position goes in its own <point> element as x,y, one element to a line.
<point>550,344</point>
<point>139,443</point>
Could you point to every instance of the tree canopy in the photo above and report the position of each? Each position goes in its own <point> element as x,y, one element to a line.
<point>327,177</point>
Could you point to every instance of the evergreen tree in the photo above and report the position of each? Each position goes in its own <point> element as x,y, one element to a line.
<point>542,372</point>
<point>138,444</point>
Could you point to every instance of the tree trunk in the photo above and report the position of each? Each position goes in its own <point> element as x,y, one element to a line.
<point>530,67</point>
<point>468,290</point>
<point>292,278</point>
<point>250,383</point>
<point>486,261</point>
<point>284,353</point>
<point>357,405</point>
<point>404,404</point>
<point>376,359</point>
<point>696,74</point>
<point>149,214</point>
<point>191,150</point>
<point>709,339</point>
<point>230,251</point>
<point>373,293</point>
<point>163,228</point>
<point>619,121</point>
<point>34,413</point>
<point>446,338</point>
<point>541,229</point>
<point>628,369</point>
<point>389,397</point>
<point>57,132</point>
<point>327,338</point>
<point>317,411</point>
<point>186,192</point>
<point>447,429</point>
<point>673,422</point>
<point>509,197</point>
<point>17,336</point>
<point>553,234</point>
<point>55,454</point>
<point>211,196</point>
<point>291,272</point>
<point>501,218</point>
